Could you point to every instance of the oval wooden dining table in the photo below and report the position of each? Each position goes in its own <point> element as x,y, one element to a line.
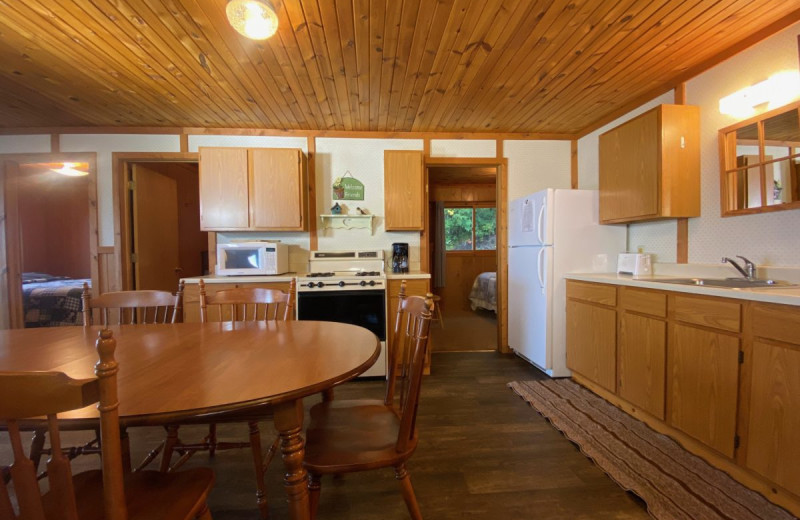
<point>175,371</point>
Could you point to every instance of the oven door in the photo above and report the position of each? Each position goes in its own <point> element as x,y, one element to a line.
<point>366,308</point>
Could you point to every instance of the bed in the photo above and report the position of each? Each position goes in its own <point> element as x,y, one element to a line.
<point>52,301</point>
<point>484,292</point>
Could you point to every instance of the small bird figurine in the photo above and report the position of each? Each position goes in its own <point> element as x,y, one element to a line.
<point>361,211</point>
<point>336,209</point>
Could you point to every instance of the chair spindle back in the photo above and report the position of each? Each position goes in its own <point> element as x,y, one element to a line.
<point>247,304</point>
<point>133,307</point>
<point>407,359</point>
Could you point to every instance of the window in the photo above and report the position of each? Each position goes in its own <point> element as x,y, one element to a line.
<point>470,228</point>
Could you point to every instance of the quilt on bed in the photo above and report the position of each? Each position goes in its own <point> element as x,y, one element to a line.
<point>52,302</point>
<point>484,292</point>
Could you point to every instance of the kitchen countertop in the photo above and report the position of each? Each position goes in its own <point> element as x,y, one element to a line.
<point>412,275</point>
<point>782,295</point>
<point>212,278</point>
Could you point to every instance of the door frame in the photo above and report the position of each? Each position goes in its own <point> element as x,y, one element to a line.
<point>121,162</point>
<point>501,197</point>
<point>11,315</point>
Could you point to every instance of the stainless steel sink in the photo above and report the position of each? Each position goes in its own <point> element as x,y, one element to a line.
<point>731,283</point>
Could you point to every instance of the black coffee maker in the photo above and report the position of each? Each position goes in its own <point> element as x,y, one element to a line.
<point>400,257</point>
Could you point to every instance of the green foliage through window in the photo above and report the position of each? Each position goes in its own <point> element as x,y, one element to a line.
<point>467,229</point>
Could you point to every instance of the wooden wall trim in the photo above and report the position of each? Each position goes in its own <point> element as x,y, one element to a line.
<point>680,93</point>
<point>573,160</point>
<point>313,237</point>
<point>55,143</point>
<point>270,132</point>
<point>184,142</point>
<point>682,242</point>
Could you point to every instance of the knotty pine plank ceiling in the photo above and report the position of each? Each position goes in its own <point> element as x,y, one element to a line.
<point>555,66</point>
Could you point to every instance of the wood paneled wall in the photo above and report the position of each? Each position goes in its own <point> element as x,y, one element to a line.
<point>464,192</point>
<point>461,270</point>
<point>54,223</point>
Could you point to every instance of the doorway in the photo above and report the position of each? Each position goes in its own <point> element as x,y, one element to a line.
<point>162,224</point>
<point>48,238</point>
<point>463,246</point>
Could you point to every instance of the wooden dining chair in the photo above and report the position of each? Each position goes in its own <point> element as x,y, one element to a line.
<point>241,304</point>
<point>95,494</point>
<point>346,436</point>
<point>133,307</point>
<point>117,308</point>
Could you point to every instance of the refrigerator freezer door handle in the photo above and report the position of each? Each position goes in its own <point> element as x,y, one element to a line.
<point>540,267</point>
<point>539,223</point>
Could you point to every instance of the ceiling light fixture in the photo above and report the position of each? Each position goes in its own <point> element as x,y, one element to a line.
<point>69,170</point>
<point>255,19</point>
<point>778,90</point>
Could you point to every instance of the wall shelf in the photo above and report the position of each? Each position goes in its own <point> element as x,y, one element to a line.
<point>347,222</point>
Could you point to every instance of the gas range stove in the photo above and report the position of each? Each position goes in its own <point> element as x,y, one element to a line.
<point>343,271</point>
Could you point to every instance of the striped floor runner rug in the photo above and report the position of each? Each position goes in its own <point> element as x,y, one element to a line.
<point>675,484</point>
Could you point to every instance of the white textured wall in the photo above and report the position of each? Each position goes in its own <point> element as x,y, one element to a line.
<point>24,143</point>
<point>364,159</point>
<point>463,148</point>
<point>248,141</point>
<point>104,146</point>
<point>536,165</point>
<point>769,238</point>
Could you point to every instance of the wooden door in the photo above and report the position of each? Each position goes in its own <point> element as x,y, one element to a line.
<point>642,362</point>
<point>223,189</point>
<point>11,311</point>
<point>154,202</point>
<point>702,385</point>
<point>774,422</point>
<point>592,342</point>
<point>405,197</point>
<point>276,189</point>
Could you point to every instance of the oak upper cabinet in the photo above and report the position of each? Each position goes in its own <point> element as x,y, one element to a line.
<point>405,197</point>
<point>650,166</point>
<point>592,332</point>
<point>703,369</point>
<point>252,189</point>
<point>642,349</point>
<point>773,423</point>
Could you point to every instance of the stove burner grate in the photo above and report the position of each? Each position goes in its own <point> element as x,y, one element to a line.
<point>368,273</point>
<point>320,275</point>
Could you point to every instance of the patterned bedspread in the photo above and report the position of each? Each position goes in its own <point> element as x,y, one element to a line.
<point>53,303</point>
<point>484,292</point>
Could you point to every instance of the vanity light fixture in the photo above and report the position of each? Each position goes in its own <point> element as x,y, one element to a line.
<point>777,90</point>
<point>69,170</point>
<point>254,19</point>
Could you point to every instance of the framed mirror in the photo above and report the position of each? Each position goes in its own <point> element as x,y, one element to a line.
<point>760,163</point>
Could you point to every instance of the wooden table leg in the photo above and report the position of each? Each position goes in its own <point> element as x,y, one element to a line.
<point>289,422</point>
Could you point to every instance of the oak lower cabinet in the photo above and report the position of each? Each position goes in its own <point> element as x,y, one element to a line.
<point>649,166</point>
<point>592,332</point>
<point>642,349</point>
<point>773,422</point>
<point>720,375</point>
<point>191,297</point>
<point>405,190</point>
<point>253,189</point>
<point>414,287</point>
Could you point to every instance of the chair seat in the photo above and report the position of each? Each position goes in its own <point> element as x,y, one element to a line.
<point>353,435</point>
<point>150,495</point>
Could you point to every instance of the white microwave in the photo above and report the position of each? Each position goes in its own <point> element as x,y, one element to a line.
<point>252,258</point>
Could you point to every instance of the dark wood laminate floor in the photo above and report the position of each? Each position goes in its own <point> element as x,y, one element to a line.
<point>483,454</point>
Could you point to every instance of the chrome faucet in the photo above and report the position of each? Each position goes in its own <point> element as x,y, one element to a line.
<point>749,271</point>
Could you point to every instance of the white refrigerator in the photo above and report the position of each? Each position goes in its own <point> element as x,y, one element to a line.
<point>552,233</point>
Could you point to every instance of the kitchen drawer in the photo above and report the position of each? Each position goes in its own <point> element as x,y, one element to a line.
<point>643,301</point>
<point>716,313</point>
<point>592,292</point>
<point>778,322</point>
